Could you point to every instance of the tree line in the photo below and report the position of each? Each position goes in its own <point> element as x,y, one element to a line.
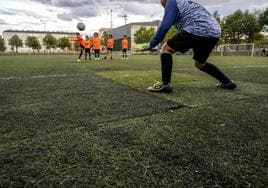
<point>239,27</point>
<point>49,41</point>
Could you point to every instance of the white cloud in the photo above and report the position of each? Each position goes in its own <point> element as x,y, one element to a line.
<point>64,14</point>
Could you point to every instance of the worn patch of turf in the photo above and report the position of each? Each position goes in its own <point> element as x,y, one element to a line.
<point>47,104</point>
<point>95,125</point>
<point>192,89</point>
<point>159,150</point>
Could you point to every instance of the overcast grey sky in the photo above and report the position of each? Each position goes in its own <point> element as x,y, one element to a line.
<point>62,15</point>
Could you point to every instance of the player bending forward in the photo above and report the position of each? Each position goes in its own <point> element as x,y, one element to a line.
<point>198,30</point>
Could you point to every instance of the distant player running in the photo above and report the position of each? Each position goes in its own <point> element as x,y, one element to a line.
<point>81,42</point>
<point>87,43</point>
<point>110,46</point>
<point>96,46</point>
<point>124,45</point>
<point>198,30</point>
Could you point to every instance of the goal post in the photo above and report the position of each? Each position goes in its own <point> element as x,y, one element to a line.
<point>237,49</point>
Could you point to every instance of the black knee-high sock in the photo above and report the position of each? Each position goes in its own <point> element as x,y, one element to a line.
<point>215,72</point>
<point>166,67</point>
<point>81,52</point>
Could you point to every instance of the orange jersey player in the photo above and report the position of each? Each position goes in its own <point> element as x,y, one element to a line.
<point>110,46</point>
<point>96,46</point>
<point>81,42</point>
<point>87,44</point>
<point>124,45</point>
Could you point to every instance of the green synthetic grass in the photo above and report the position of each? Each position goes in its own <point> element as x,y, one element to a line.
<point>93,124</point>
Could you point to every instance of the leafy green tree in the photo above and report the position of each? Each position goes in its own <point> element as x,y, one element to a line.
<point>64,43</point>
<point>144,35</point>
<point>50,42</point>
<point>240,26</point>
<point>104,38</point>
<point>233,27</point>
<point>33,42</point>
<point>258,37</point>
<point>16,42</point>
<point>263,41</point>
<point>2,44</point>
<point>76,46</point>
<point>251,26</point>
<point>263,17</point>
<point>172,31</point>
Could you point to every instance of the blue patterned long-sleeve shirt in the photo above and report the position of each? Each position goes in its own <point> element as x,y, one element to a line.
<point>188,16</point>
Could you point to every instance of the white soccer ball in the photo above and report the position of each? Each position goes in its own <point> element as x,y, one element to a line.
<point>81,26</point>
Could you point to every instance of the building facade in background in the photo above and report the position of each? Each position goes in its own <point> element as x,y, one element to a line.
<point>7,34</point>
<point>129,30</point>
<point>118,33</point>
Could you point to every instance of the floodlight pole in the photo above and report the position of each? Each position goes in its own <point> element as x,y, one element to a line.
<point>111,19</point>
<point>44,22</point>
<point>125,17</point>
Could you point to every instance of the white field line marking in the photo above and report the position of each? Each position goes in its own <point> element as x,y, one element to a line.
<point>249,66</point>
<point>42,76</point>
<point>74,75</point>
<point>234,67</point>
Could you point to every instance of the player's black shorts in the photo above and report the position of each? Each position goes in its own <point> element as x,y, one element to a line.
<point>110,49</point>
<point>87,50</point>
<point>202,46</point>
<point>124,50</point>
<point>97,51</point>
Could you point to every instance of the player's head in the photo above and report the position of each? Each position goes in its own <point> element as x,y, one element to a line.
<point>163,2</point>
<point>110,36</point>
<point>96,34</point>
<point>87,37</point>
<point>77,34</point>
<point>125,36</point>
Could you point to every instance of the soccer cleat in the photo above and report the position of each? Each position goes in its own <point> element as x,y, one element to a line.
<point>126,58</point>
<point>160,88</point>
<point>78,61</point>
<point>231,85</point>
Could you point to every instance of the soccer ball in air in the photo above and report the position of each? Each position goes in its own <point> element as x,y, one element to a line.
<point>81,26</point>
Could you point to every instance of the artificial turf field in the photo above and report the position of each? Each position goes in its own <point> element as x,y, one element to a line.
<point>67,124</point>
